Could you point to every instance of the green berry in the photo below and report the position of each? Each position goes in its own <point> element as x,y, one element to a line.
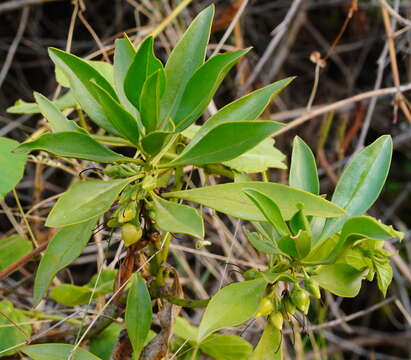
<point>277,320</point>
<point>301,299</point>
<point>130,233</point>
<point>266,307</point>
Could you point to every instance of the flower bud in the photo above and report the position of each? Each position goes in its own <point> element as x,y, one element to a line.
<point>131,233</point>
<point>266,307</point>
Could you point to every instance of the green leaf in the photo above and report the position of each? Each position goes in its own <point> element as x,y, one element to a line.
<point>150,101</point>
<point>72,145</point>
<point>226,347</point>
<point>231,306</point>
<point>22,107</point>
<point>143,66</point>
<point>58,122</point>
<point>79,73</point>
<point>62,250</point>
<point>340,279</point>
<point>124,54</point>
<point>261,243</point>
<point>361,182</point>
<point>119,117</point>
<point>103,344</point>
<point>269,209</point>
<point>384,275</point>
<point>202,86</point>
<point>10,334</point>
<point>187,56</point>
<point>260,158</point>
<point>85,200</point>
<point>249,107</point>
<point>229,199</point>
<point>153,142</point>
<point>269,347</point>
<point>11,165</point>
<point>183,329</point>
<point>71,295</point>
<point>177,218</point>
<point>57,352</point>
<point>303,169</point>
<point>13,248</point>
<point>138,314</point>
<point>225,142</point>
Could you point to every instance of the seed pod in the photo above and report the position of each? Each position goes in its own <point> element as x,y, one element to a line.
<point>130,234</point>
<point>289,307</point>
<point>312,287</point>
<point>250,274</point>
<point>301,299</point>
<point>277,320</point>
<point>266,307</point>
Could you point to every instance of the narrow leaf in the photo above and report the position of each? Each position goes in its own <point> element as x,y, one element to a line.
<point>53,115</point>
<point>83,201</point>
<point>138,314</point>
<point>202,86</point>
<point>229,199</point>
<point>150,101</point>
<point>72,145</point>
<point>361,182</point>
<point>62,250</point>
<point>11,165</point>
<point>187,56</point>
<point>143,66</point>
<point>79,73</point>
<point>57,352</point>
<point>177,218</point>
<point>225,142</point>
<point>153,142</point>
<point>119,117</point>
<point>303,169</point>
<point>231,306</point>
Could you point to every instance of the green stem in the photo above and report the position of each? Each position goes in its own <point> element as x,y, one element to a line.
<point>188,303</point>
<point>112,141</point>
<point>41,316</point>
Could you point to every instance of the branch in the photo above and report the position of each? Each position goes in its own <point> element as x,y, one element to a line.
<point>17,4</point>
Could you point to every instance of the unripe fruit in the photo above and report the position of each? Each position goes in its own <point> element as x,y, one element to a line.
<point>127,214</point>
<point>250,274</point>
<point>130,234</point>
<point>266,307</point>
<point>301,299</point>
<point>313,288</point>
<point>289,307</point>
<point>277,320</point>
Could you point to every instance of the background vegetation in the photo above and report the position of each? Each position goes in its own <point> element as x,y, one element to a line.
<point>353,66</point>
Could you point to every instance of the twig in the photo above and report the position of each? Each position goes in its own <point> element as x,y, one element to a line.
<point>18,4</point>
<point>324,109</point>
<point>14,44</point>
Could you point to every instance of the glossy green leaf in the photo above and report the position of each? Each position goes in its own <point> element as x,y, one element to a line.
<point>202,86</point>
<point>124,54</point>
<point>58,122</point>
<point>10,334</point>
<point>187,56</point>
<point>62,250</point>
<point>269,347</point>
<point>302,243</point>
<point>226,347</point>
<point>57,352</point>
<point>177,218</point>
<point>103,344</point>
<point>83,201</point>
<point>138,313</point>
<point>229,199</point>
<point>183,329</point>
<point>303,169</point>
<point>361,182</point>
<point>11,165</point>
<point>261,243</point>
<point>225,142</point>
<point>144,64</point>
<point>22,107</point>
<point>269,209</point>
<point>150,101</point>
<point>260,158</point>
<point>72,145</point>
<point>79,73</point>
<point>231,306</point>
<point>153,142</point>
<point>13,248</point>
<point>249,107</point>
<point>119,117</point>
<point>340,279</point>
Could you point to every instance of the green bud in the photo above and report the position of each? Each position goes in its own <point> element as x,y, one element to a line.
<point>128,213</point>
<point>277,320</point>
<point>301,299</point>
<point>312,287</point>
<point>149,183</point>
<point>289,307</point>
<point>130,234</point>
<point>266,307</point>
